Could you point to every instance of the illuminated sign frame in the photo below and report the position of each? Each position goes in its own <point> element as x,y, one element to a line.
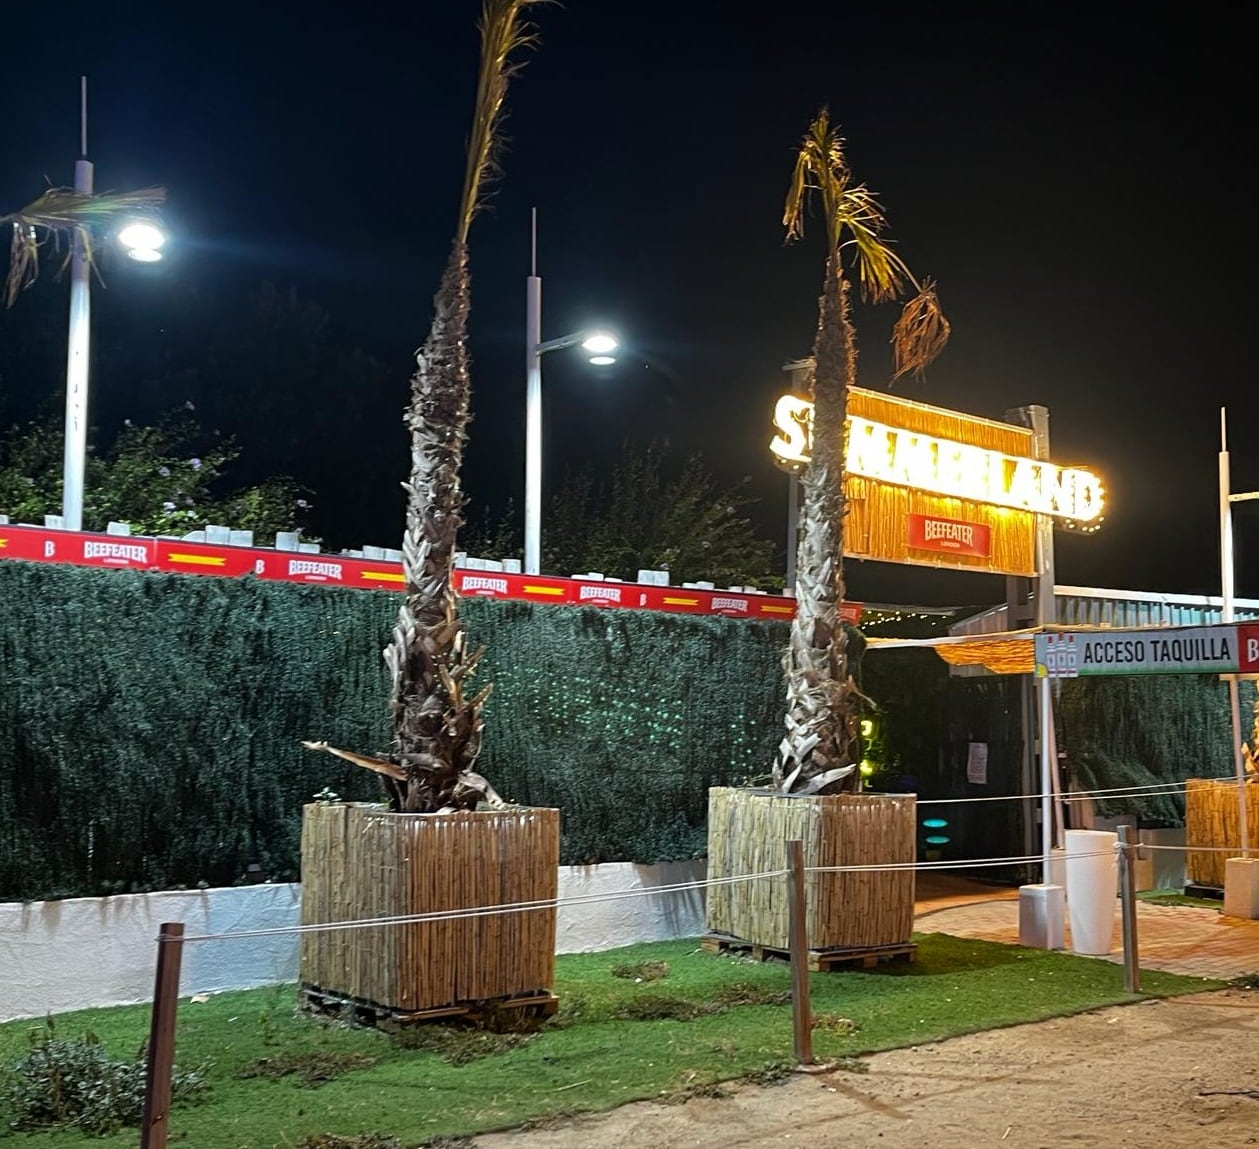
<point>940,466</point>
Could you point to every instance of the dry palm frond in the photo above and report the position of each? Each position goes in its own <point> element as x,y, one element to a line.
<point>504,34</point>
<point>62,212</point>
<point>920,333</point>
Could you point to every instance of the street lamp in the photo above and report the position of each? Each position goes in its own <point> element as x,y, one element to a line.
<point>598,344</point>
<point>142,239</point>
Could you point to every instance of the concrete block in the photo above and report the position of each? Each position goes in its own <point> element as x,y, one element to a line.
<point>1042,916</point>
<point>1241,888</point>
<point>1169,865</point>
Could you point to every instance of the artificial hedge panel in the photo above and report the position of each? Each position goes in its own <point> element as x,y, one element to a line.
<point>150,724</point>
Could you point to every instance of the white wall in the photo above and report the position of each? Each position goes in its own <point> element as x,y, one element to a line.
<point>83,952</point>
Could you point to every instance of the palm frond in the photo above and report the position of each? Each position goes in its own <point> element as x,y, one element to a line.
<point>851,212</point>
<point>920,333</point>
<point>881,273</point>
<point>504,34</point>
<point>61,212</point>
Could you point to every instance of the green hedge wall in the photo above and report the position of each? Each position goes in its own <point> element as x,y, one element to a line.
<point>150,724</point>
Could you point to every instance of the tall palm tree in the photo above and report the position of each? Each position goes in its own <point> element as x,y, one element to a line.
<point>819,749</point>
<point>437,721</point>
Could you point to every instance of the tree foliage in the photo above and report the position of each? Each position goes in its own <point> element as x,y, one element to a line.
<point>647,515</point>
<point>167,478</point>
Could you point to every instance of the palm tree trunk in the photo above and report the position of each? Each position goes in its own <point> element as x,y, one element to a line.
<point>437,727</point>
<point>817,752</point>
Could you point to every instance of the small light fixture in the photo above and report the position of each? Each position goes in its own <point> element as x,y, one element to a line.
<point>143,241</point>
<point>599,343</point>
<point>602,360</point>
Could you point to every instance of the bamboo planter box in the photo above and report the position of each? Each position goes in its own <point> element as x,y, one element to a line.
<point>1211,820</point>
<point>361,862</point>
<point>747,834</point>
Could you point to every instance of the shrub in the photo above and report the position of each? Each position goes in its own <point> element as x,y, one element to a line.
<point>75,1083</point>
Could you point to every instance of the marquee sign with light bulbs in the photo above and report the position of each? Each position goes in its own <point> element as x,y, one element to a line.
<point>936,487</point>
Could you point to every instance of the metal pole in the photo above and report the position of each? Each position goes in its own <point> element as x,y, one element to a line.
<point>154,1126</point>
<point>533,412</point>
<point>793,528</point>
<point>78,351</point>
<point>1046,778</point>
<point>1226,588</point>
<point>1128,901</point>
<point>801,1014</point>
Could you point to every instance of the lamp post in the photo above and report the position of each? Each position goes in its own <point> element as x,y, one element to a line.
<point>599,344</point>
<point>142,241</point>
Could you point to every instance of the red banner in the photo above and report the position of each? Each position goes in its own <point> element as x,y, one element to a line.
<point>952,536</point>
<point>36,544</point>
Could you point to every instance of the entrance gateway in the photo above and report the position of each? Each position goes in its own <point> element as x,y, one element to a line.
<point>929,486</point>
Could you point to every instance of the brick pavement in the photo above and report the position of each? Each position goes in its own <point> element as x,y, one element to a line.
<point>1191,940</point>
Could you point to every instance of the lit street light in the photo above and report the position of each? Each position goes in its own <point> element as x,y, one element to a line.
<point>142,240</point>
<point>598,344</point>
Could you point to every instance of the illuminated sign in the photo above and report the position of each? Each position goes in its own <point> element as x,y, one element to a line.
<point>944,466</point>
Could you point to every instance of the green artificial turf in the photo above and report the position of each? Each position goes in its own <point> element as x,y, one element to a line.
<point>1176,898</point>
<point>594,1060</point>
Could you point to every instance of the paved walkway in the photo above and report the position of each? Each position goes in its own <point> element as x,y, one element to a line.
<point>1192,940</point>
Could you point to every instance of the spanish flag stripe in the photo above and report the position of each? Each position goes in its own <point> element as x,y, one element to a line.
<point>199,560</point>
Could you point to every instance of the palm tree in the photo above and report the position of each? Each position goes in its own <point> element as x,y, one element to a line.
<point>437,721</point>
<point>58,215</point>
<point>819,750</point>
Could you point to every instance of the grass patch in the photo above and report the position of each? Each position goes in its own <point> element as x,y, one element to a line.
<point>1176,898</point>
<point>459,1045</point>
<point>725,1022</point>
<point>641,970</point>
<point>312,1069</point>
<point>665,1007</point>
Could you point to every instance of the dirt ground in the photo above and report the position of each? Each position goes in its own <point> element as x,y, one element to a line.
<point>1150,1075</point>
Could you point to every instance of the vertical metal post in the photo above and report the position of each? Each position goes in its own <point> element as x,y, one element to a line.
<point>1128,903</point>
<point>793,528</point>
<point>78,352</point>
<point>155,1124</point>
<point>1226,589</point>
<point>1046,778</point>
<point>801,1013</point>
<point>533,409</point>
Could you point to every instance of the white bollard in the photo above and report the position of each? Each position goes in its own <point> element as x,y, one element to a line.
<point>1092,879</point>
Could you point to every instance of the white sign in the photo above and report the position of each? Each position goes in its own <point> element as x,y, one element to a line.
<point>943,466</point>
<point>977,763</point>
<point>1180,650</point>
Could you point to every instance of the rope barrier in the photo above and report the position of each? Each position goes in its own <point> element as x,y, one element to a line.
<point>485,911</point>
<point>611,896</point>
<point>973,863</point>
<point>1153,789</point>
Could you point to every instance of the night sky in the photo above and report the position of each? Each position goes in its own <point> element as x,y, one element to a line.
<point>1077,183</point>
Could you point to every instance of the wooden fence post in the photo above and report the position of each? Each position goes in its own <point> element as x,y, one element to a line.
<point>801,1014</point>
<point>155,1124</point>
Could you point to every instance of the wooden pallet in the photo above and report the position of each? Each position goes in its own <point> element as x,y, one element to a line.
<point>1194,890</point>
<point>367,1013</point>
<point>820,961</point>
